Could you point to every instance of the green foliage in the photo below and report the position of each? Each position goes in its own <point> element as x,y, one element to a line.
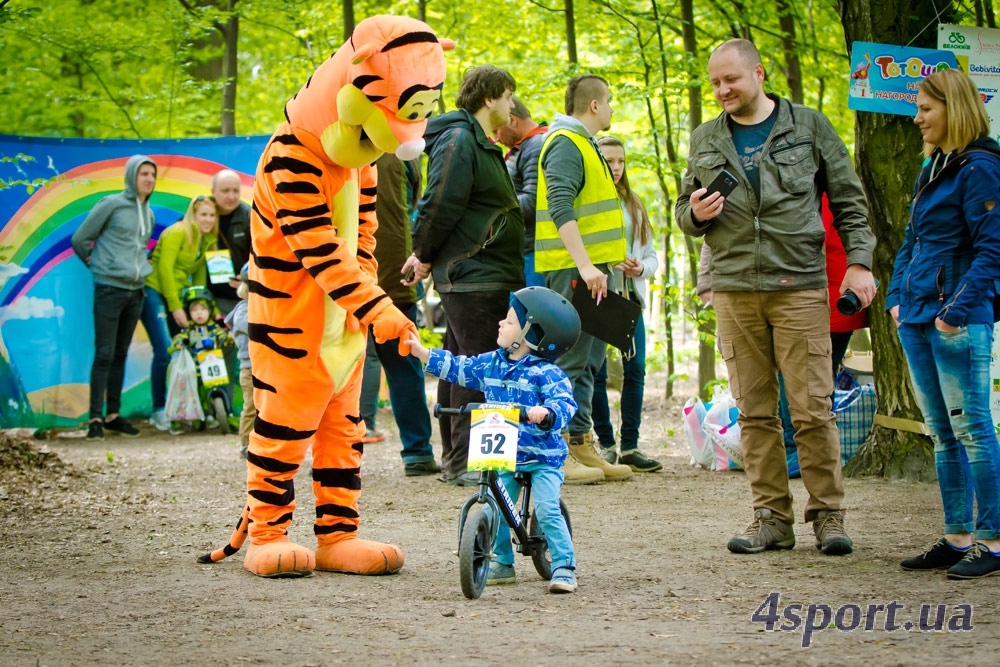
<point>430,338</point>
<point>718,382</point>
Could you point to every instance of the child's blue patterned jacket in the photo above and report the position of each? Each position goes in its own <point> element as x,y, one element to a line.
<point>529,381</point>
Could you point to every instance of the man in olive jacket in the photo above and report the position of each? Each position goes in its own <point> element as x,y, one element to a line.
<point>470,236</point>
<point>768,276</point>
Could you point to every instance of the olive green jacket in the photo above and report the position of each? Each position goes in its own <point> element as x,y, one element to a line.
<point>776,242</point>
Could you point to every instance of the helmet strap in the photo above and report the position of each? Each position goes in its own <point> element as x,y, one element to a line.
<point>516,345</point>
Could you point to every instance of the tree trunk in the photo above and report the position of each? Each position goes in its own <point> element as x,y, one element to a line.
<point>704,321</point>
<point>793,72</point>
<point>888,155</point>
<point>570,33</point>
<point>230,37</point>
<point>348,6</point>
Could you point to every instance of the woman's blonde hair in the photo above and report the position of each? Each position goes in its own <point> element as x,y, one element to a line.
<point>642,229</point>
<point>191,228</point>
<point>967,119</point>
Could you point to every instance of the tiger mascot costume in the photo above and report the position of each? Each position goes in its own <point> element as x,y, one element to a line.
<point>313,291</point>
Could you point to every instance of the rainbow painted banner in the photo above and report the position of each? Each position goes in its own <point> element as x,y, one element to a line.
<point>46,292</point>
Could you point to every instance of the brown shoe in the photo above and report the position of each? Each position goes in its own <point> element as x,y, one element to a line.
<point>581,447</point>
<point>575,472</point>
<point>831,538</point>
<point>764,532</point>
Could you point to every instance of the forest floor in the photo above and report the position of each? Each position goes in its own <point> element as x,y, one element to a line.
<point>98,544</point>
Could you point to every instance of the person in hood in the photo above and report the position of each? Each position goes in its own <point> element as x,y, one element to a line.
<point>469,234</point>
<point>942,298</point>
<point>112,242</point>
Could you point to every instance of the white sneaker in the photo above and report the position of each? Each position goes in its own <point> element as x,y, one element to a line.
<point>211,422</point>
<point>160,421</point>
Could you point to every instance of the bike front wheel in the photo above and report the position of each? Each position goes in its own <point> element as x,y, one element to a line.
<point>221,415</point>
<point>474,552</point>
<point>540,555</point>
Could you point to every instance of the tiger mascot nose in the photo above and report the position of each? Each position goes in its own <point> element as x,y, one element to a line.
<point>410,150</point>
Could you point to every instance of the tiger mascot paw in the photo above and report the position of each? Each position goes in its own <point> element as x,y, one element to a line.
<point>279,559</point>
<point>355,556</point>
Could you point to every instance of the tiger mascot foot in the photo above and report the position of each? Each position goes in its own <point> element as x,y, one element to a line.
<point>279,559</point>
<point>355,556</point>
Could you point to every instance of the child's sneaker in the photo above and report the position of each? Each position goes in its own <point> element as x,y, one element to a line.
<point>176,428</point>
<point>159,420</point>
<point>95,431</point>
<point>122,427</point>
<point>211,422</point>
<point>500,574</point>
<point>563,581</point>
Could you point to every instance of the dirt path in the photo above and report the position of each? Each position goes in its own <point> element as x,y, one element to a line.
<point>97,567</point>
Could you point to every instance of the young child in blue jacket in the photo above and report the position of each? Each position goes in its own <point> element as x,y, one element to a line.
<point>539,327</point>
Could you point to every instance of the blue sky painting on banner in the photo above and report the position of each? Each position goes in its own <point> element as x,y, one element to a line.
<point>46,292</point>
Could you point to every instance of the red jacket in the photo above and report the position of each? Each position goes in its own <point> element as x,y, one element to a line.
<point>836,267</point>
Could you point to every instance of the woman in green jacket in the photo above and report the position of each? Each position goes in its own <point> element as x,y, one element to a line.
<point>178,262</point>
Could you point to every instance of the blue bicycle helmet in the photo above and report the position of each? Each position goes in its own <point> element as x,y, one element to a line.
<point>549,323</point>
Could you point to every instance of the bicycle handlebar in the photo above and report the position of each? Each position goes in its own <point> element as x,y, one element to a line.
<point>546,424</point>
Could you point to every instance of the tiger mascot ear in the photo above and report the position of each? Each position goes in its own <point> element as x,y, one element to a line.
<point>375,94</point>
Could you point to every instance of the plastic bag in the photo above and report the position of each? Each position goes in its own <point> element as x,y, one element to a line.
<point>702,452</point>
<point>183,402</point>
<point>723,431</point>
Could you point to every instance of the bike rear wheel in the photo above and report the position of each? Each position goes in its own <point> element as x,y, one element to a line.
<point>540,555</point>
<point>474,552</point>
<point>221,415</point>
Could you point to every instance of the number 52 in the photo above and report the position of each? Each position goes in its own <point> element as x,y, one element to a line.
<point>492,443</point>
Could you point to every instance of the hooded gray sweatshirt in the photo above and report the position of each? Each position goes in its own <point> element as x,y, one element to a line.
<point>115,234</point>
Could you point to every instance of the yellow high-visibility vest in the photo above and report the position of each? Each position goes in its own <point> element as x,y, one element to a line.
<point>598,213</point>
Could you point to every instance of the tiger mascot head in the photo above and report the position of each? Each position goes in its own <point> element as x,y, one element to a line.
<point>375,94</point>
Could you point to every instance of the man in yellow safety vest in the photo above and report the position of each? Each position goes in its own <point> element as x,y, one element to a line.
<point>580,235</point>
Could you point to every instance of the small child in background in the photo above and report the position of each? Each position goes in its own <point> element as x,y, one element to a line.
<point>237,323</point>
<point>203,333</point>
<point>539,327</point>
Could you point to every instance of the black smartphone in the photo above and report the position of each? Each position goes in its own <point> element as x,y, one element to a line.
<point>408,276</point>
<point>724,183</point>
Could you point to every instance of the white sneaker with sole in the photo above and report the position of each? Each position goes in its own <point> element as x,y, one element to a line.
<point>160,421</point>
<point>563,581</point>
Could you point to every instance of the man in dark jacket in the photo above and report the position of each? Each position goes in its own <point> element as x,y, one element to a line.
<point>524,137</point>
<point>469,234</point>
<point>234,234</point>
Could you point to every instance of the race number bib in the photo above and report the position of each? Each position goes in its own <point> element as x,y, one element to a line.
<point>493,438</point>
<point>212,367</point>
<point>220,266</point>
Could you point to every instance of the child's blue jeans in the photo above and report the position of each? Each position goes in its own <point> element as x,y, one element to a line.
<point>546,482</point>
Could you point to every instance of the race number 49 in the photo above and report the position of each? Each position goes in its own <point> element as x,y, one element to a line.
<point>212,367</point>
<point>493,438</point>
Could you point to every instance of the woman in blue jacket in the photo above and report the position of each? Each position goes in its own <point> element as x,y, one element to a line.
<point>941,298</point>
